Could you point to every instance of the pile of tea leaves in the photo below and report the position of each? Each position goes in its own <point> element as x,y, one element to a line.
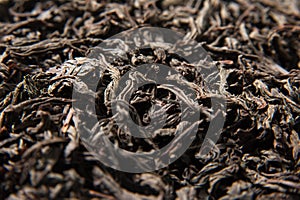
<point>254,43</point>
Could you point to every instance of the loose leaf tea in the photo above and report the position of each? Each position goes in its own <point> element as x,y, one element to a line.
<point>44,48</point>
